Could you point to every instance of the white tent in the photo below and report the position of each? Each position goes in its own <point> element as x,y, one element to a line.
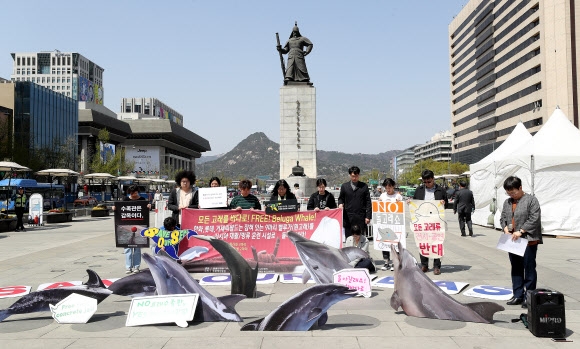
<point>549,166</point>
<point>484,172</point>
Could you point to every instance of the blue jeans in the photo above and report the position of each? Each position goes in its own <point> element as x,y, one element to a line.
<point>132,258</point>
<point>524,273</point>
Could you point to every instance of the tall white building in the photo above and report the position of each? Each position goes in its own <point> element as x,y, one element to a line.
<point>69,73</point>
<point>437,149</point>
<point>148,108</point>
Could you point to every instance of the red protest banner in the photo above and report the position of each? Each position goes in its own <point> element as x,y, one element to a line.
<point>259,237</point>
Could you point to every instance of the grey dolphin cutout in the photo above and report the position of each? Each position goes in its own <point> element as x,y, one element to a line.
<point>242,275</point>
<point>135,285</point>
<point>420,297</point>
<point>39,301</point>
<point>322,261</point>
<point>172,278</point>
<point>302,310</point>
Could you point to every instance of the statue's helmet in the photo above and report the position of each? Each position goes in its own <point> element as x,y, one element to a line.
<point>295,30</point>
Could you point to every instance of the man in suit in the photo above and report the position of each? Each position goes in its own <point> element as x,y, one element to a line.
<point>464,204</point>
<point>355,200</point>
<point>430,191</point>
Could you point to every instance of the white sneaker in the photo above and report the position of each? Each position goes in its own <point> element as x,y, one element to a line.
<point>384,267</point>
<point>128,271</point>
<point>392,268</point>
<point>136,270</point>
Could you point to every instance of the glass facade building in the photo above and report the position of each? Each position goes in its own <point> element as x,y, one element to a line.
<point>45,123</point>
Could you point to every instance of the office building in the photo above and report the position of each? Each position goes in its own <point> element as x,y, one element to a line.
<point>510,61</point>
<point>68,73</point>
<point>148,108</point>
<point>438,148</point>
<point>404,161</point>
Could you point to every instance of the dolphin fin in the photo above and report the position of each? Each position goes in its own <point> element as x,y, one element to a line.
<point>94,280</point>
<point>231,300</point>
<point>4,314</point>
<point>322,320</point>
<point>306,276</point>
<point>396,301</point>
<point>485,309</point>
<point>314,313</point>
<point>252,326</point>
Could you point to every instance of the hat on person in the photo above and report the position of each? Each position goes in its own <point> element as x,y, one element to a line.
<point>20,188</point>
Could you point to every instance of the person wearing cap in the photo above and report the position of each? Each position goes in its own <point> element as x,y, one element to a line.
<point>19,206</point>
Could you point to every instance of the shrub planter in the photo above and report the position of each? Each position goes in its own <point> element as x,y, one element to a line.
<point>59,217</point>
<point>99,213</point>
<point>7,224</point>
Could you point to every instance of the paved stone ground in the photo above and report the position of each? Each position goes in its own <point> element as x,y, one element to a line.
<point>62,252</point>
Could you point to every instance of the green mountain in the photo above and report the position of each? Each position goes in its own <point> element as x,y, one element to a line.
<point>257,155</point>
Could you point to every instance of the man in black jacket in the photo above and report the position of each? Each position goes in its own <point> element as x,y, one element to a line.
<point>430,191</point>
<point>355,200</point>
<point>464,204</point>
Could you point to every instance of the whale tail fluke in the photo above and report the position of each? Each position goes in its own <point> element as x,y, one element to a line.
<point>252,326</point>
<point>485,309</point>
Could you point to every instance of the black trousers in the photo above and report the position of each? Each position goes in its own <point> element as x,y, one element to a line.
<point>425,262</point>
<point>19,214</point>
<point>463,218</point>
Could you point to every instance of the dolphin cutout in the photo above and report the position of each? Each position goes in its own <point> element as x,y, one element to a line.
<point>40,300</point>
<point>135,285</point>
<point>322,261</point>
<point>420,297</point>
<point>304,309</point>
<point>242,275</point>
<point>172,278</point>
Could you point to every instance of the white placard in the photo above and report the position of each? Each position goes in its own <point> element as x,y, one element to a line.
<point>178,308</point>
<point>490,292</point>
<point>505,243</point>
<point>226,279</point>
<point>213,197</point>
<point>74,309</point>
<point>14,291</point>
<point>358,279</point>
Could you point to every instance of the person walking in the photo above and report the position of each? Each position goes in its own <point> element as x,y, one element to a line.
<point>463,205</point>
<point>19,207</point>
<point>521,217</point>
<point>355,199</point>
<point>430,191</point>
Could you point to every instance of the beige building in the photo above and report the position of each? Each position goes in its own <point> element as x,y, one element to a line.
<point>510,61</point>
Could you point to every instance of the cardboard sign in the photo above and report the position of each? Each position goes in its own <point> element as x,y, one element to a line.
<point>216,197</point>
<point>14,291</point>
<point>162,309</point>
<point>498,293</point>
<point>131,218</point>
<point>388,222</point>
<point>169,241</point>
<point>281,206</point>
<point>74,309</point>
<point>429,226</point>
<point>356,279</point>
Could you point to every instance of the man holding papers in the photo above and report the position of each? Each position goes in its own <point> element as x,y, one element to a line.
<point>520,217</point>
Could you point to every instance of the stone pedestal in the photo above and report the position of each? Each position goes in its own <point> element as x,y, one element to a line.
<point>298,130</point>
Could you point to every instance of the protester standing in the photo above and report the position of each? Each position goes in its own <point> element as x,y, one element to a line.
<point>183,196</point>
<point>133,254</point>
<point>355,199</point>
<point>245,200</point>
<point>321,199</point>
<point>19,207</point>
<point>389,195</point>
<point>521,217</point>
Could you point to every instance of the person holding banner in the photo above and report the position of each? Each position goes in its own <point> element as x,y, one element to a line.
<point>133,254</point>
<point>183,196</point>
<point>430,191</point>
<point>214,182</point>
<point>389,195</point>
<point>322,199</point>
<point>282,191</point>
<point>245,200</point>
<point>355,199</point>
<point>521,217</point>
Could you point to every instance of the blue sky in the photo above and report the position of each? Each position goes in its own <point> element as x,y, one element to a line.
<point>380,68</point>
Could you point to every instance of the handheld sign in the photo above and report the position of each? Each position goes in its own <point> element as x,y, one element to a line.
<point>281,206</point>
<point>162,309</point>
<point>355,279</point>
<point>216,197</point>
<point>74,309</point>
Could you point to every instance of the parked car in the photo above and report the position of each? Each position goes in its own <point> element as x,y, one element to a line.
<point>85,201</point>
<point>450,197</point>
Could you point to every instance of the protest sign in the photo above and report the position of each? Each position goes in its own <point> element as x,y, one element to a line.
<point>388,222</point>
<point>162,309</point>
<point>216,197</point>
<point>131,218</point>
<point>429,226</point>
<point>259,237</point>
<point>74,309</point>
<point>357,279</point>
